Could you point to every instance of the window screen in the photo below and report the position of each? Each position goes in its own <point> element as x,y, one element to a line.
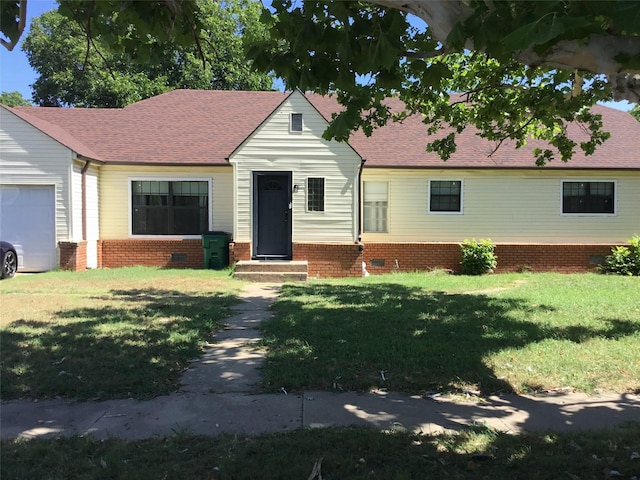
<point>169,207</point>
<point>315,194</point>
<point>445,196</point>
<point>588,197</point>
<point>296,122</point>
<point>375,207</point>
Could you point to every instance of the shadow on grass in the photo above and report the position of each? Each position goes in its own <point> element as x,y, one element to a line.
<point>351,453</point>
<point>330,337</point>
<point>133,343</point>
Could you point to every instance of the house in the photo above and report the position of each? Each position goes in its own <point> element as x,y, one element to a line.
<point>91,188</point>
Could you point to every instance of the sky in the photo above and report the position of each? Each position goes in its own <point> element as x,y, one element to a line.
<point>17,75</point>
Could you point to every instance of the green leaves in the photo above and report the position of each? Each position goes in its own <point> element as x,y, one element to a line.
<point>9,17</point>
<point>365,53</point>
<point>121,67</point>
<point>542,31</point>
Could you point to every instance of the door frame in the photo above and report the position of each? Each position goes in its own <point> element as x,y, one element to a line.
<point>255,212</point>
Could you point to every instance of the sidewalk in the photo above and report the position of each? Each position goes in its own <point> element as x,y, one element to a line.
<point>219,394</point>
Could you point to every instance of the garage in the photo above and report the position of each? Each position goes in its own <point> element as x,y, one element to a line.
<point>27,219</point>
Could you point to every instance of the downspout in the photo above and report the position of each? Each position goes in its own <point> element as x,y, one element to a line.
<point>84,199</point>
<point>360,201</point>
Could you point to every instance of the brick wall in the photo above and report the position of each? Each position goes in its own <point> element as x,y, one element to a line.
<point>330,259</point>
<point>342,260</point>
<point>564,258</point>
<point>345,260</point>
<point>152,253</point>
<point>239,251</point>
<point>73,256</point>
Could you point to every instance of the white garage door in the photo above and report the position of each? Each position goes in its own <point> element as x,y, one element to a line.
<point>27,219</point>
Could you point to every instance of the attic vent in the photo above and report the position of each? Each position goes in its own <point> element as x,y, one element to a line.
<point>296,122</point>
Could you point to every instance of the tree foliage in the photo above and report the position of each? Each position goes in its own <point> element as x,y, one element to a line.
<point>635,112</point>
<point>519,69</point>
<point>13,99</point>
<point>76,70</point>
<point>365,52</point>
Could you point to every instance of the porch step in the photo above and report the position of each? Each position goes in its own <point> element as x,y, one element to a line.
<point>271,271</point>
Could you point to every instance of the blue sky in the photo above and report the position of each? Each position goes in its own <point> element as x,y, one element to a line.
<point>17,75</point>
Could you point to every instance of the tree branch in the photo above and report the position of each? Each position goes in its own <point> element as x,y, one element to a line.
<point>21,24</point>
<point>596,53</point>
<point>433,54</point>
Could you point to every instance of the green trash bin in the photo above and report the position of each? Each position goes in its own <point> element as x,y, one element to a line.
<point>216,249</point>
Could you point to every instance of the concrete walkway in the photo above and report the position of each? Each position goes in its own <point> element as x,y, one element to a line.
<point>218,394</point>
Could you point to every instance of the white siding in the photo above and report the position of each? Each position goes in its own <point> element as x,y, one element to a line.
<point>29,157</point>
<point>75,199</point>
<point>273,147</point>
<point>507,206</point>
<point>93,221</point>
<point>114,193</point>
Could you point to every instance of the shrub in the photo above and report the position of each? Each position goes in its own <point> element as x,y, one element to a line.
<point>478,257</point>
<point>624,260</point>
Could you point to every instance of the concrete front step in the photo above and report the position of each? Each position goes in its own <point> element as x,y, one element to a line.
<point>272,271</point>
<point>271,266</point>
<point>271,277</point>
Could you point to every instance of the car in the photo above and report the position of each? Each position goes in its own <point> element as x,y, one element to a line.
<point>9,258</point>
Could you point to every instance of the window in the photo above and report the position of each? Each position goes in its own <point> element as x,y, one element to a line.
<point>375,207</point>
<point>588,197</point>
<point>445,196</point>
<point>160,207</point>
<point>315,194</point>
<point>296,122</point>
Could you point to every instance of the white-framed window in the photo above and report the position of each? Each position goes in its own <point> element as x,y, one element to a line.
<point>315,194</point>
<point>445,196</point>
<point>160,206</point>
<point>588,197</point>
<point>295,124</point>
<point>375,205</point>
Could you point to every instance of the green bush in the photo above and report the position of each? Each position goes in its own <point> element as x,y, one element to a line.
<point>624,260</point>
<point>478,257</point>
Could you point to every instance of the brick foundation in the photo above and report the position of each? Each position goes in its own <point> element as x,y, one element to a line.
<point>330,260</point>
<point>563,258</point>
<point>239,251</point>
<point>73,256</point>
<point>342,260</point>
<point>152,253</point>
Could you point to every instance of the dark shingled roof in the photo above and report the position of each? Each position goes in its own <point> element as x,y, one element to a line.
<point>203,127</point>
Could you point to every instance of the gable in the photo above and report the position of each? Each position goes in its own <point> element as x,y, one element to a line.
<point>27,148</point>
<point>23,131</point>
<point>274,138</point>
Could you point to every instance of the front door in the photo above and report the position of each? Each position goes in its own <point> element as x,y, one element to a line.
<point>272,215</point>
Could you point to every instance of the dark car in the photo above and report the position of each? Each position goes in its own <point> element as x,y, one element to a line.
<point>9,260</point>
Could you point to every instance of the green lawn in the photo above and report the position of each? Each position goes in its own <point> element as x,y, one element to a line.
<point>348,453</point>
<point>107,333</point>
<point>427,332</point>
<point>131,332</point>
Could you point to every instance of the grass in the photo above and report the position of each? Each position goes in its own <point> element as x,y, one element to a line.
<point>131,332</point>
<point>426,332</point>
<point>346,453</point>
<point>107,333</point>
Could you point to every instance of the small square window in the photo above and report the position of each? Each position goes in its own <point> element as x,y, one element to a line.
<point>296,122</point>
<point>445,196</point>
